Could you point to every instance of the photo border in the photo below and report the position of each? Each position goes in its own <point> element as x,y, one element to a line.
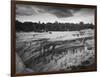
<point>13,36</point>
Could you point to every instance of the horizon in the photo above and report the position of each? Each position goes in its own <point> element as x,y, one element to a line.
<point>53,22</point>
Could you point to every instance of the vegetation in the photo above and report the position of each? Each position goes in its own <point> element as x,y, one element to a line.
<point>41,27</point>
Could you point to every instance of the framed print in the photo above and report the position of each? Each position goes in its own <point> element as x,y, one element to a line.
<point>52,38</point>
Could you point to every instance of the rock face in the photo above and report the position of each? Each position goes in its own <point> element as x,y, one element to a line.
<point>47,52</point>
<point>20,67</point>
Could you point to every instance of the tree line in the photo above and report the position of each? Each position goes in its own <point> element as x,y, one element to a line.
<point>56,26</point>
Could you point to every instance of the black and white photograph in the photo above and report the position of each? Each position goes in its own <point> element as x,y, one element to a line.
<point>54,38</point>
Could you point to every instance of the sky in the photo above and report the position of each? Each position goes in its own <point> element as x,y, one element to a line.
<point>36,13</point>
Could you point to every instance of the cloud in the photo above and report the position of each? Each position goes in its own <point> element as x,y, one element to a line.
<point>27,10</point>
<point>62,14</point>
<point>24,10</point>
<point>87,11</point>
<point>59,12</point>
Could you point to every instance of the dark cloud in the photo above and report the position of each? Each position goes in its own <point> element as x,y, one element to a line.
<point>59,12</point>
